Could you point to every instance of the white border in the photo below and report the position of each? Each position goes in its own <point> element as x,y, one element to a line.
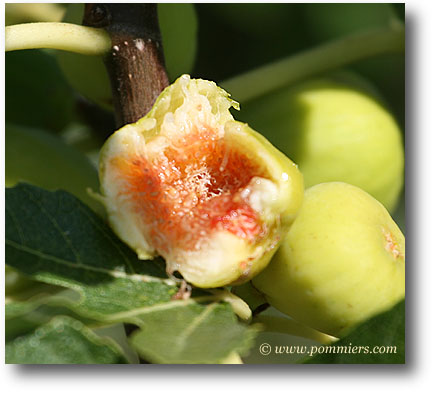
<point>425,244</point>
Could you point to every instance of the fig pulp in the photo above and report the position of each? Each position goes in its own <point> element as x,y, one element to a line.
<point>207,193</point>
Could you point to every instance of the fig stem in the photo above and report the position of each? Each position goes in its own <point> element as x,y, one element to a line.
<point>57,35</point>
<point>290,327</point>
<point>135,62</point>
<point>328,56</point>
<point>239,306</point>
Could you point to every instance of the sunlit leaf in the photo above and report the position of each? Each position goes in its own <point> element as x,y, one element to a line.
<point>191,334</point>
<point>62,341</point>
<point>54,238</point>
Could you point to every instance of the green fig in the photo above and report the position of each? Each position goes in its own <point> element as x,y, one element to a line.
<point>325,22</point>
<point>334,131</point>
<point>189,183</point>
<point>342,261</point>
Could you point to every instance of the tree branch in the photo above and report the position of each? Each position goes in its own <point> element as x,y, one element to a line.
<point>135,63</point>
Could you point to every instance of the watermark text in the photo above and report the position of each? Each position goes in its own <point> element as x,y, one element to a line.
<point>265,349</point>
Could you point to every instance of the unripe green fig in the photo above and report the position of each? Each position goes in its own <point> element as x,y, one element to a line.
<point>342,261</point>
<point>189,183</point>
<point>88,75</point>
<point>325,22</point>
<point>334,131</point>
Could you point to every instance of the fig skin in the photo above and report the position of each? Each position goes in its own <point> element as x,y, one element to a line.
<point>342,261</point>
<point>335,131</point>
<point>186,108</point>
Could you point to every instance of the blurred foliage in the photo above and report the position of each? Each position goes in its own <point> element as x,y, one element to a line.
<point>64,166</point>
<point>235,38</point>
<point>36,91</point>
<point>19,13</point>
<point>63,340</point>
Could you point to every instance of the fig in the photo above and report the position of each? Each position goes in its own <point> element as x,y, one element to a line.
<point>189,183</point>
<point>88,75</point>
<point>325,22</point>
<point>342,261</point>
<point>334,131</point>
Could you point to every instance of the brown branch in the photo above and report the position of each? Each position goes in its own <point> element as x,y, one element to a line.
<point>135,63</point>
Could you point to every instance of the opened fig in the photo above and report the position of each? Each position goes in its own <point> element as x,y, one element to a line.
<point>342,261</point>
<point>207,193</point>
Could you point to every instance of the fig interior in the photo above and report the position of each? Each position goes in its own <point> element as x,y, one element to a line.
<point>198,184</point>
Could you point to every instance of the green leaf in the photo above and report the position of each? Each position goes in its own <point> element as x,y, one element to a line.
<point>23,316</point>
<point>17,283</point>
<point>191,333</point>
<point>35,156</point>
<point>36,92</point>
<point>17,308</point>
<point>382,341</point>
<point>54,238</point>
<point>62,341</point>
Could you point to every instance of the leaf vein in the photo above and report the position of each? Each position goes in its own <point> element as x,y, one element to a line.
<point>198,320</point>
<point>128,263</point>
<point>16,223</point>
<point>80,265</point>
<point>55,224</point>
<point>134,313</point>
